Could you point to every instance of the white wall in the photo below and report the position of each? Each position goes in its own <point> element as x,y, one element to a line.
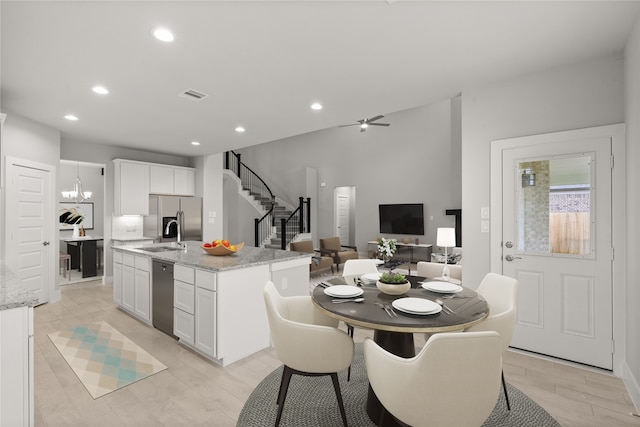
<point>412,161</point>
<point>209,186</point>
<point>571,97</point>
<point>631,370</point>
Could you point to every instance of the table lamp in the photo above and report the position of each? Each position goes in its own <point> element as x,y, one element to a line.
<point>446,237</point>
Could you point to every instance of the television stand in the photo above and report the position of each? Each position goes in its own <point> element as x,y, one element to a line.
<point>408,252</point>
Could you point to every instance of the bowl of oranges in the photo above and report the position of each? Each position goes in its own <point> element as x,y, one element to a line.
<point>221,247</point>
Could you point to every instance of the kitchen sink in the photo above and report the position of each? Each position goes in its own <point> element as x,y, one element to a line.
<point>160,249</point>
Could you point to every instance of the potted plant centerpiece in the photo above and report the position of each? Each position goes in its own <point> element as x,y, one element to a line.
<point>393,283</point>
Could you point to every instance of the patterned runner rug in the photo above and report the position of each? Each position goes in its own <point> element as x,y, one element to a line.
<point>102,358</point>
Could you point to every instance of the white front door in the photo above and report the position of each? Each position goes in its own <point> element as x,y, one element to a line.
<point>30,249</point>
<point>557,241</point>
<point>342,215</point>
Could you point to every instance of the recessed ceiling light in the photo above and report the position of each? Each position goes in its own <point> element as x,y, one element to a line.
<point>71,117</point>
<point>163,34</point>
<point>240,129</point>
<point>195,143</point>
<point>100,89</point>
<point>316,106</point>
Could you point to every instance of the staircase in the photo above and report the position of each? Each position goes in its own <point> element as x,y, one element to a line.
<point>269,231</point>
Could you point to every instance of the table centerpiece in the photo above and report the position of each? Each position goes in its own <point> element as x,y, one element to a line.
<point>393,283</point>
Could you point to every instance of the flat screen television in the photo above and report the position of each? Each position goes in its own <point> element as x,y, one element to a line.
<point>407,218</point>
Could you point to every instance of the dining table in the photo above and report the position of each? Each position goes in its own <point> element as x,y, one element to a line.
<point>83,251</point>
<point>393,328</point>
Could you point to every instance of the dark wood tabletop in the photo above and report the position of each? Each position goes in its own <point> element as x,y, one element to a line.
<point>469,308</point>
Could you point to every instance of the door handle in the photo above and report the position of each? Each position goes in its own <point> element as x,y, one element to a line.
<point>511,258</point>
<point>45,243</point>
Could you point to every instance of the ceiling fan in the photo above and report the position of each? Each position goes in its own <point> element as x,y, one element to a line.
<point>365,123</point>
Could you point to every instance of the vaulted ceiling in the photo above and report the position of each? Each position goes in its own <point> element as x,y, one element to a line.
<point>263,63</point>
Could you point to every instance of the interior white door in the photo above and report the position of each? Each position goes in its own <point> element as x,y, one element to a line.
<point>342,217</point>
<point>30,248</point>
<point>557,242</point>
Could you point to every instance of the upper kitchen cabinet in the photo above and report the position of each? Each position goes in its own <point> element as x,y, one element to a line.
<point>131,188</point>
<point>172,180</point>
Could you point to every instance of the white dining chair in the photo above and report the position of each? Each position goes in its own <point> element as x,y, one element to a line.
<point>453,381</point>
<point>501,292</point>
<point>306,341</point>
<point>434,270</point>
<point>354,268</point>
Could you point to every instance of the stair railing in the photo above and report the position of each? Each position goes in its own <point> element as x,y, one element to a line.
<point>298,222</point>
<point>258,188</point>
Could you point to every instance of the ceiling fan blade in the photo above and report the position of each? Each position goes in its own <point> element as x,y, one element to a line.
<point>353,124</point>
<point>379,124</point>
<point>373,119</point>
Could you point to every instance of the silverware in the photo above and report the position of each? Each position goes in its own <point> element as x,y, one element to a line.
<point>385,308</point>
<point>338,301</point>
<point>390,307</point>
<point>444,306</point>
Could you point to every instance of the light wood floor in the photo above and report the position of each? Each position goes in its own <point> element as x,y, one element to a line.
<point>195,392</point>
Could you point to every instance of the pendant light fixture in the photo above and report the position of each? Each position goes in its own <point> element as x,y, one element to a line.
<point>78,195</point>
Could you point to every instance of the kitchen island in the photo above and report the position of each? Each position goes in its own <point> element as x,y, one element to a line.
<point>218,306</point>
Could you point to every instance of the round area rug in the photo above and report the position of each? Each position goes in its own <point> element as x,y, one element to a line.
<point>311,402</point>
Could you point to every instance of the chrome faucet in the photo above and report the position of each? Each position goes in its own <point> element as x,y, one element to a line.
<point>178,222</point>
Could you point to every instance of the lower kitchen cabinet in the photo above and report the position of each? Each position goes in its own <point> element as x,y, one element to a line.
<point>132,284</point>
<point>206,321</point>
<point>183,326</point>
<point>16,367</point>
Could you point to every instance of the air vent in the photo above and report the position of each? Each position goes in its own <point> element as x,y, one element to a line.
<point>193,95</point>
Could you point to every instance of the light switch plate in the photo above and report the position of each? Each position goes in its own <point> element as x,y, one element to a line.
<point>484,226</point>
<point>484,212</point>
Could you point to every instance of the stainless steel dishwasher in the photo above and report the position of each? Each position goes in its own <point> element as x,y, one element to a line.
<point>162,293</point>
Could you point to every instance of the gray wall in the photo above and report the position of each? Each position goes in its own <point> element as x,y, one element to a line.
<point>631,372</point>
<point>415,160</point>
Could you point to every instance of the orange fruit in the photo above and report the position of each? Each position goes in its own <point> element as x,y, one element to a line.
<point>226,243</point>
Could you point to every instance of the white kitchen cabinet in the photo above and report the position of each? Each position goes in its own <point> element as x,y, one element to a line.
<point>131,188</point>
<point>183,296</point>
<point>16,367</point>
<point>184,181</point>
<point>117,282</point>
<point>161,179</point>
<point>205,313</point>
<point>143,295</point>
<point>183,326</point>
<point>132,284</point>
<point>128,287</point>
<point>172,180</point>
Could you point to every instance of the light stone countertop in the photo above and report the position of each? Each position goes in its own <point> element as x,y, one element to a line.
<point>194,256</point>
<point>13,294</point>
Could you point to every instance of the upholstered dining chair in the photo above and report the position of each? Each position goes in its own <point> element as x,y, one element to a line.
<point>354,268</point>
<point>318,263</point>
<point>307,342</point>
<point>501,292</point>
<point>340,253</point>
<point>434,269</point>
<point>453,381</point>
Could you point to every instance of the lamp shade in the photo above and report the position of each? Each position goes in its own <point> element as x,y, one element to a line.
<point>446,237</point>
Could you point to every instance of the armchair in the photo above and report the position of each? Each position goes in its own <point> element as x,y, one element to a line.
<point>318,262</point>
<point>340,253</point>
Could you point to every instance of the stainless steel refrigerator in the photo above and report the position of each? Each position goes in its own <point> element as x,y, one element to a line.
<point>163,209</point>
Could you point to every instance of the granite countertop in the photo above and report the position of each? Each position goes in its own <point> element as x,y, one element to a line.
<point>12,293</point>
<point>194,256</point>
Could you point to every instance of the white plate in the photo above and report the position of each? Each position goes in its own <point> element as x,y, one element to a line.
<point>451,279</point>
<point>371,277</point>
<point>343,291</point>
<point>442,287</point>
<point>416,306</point>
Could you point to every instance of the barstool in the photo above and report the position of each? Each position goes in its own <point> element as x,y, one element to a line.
<point>65,264</point>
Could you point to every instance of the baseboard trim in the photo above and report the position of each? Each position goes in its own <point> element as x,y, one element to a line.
<point>631,383</point>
